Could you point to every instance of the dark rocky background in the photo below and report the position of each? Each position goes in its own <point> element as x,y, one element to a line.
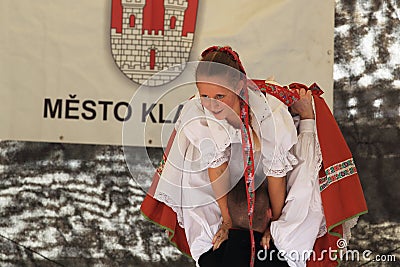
<point>77,205</point>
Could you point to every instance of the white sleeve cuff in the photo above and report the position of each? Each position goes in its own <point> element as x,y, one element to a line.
<point>307,125</point>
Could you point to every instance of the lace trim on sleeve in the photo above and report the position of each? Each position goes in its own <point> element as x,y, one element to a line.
<point>279,166</point>
<point>218,162</point>
<point>214,161</point>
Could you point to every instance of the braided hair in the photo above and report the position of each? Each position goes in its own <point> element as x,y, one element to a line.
<point>222,55</point>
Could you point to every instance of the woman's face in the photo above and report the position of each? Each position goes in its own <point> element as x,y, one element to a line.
<point>222,102</point>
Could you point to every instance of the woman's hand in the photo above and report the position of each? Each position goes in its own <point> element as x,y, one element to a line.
<point>266,238</point>
<point>222,234</point>
<point>303,106</point>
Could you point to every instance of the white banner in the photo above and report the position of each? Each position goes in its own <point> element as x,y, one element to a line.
<point>68,73</point>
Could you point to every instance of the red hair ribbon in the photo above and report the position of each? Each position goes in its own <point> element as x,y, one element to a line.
<point>227,50</point>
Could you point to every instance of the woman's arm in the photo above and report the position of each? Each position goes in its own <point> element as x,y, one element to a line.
<point>218,177</point>
<point>220,184</point>
<point>277,195</point>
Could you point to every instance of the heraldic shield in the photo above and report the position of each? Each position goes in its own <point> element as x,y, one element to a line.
<point>152,36</point>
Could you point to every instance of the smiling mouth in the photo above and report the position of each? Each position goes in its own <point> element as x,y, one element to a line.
<point>216,112</point>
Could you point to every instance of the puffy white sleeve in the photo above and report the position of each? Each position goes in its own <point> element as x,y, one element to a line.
<point>212,144</point>
<point>278,135</point>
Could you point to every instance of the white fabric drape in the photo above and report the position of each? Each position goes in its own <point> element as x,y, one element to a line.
<point>201,140</point>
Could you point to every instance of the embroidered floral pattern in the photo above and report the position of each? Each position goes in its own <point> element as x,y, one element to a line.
<point>315,89</point>
<point>337,172</point>
<point>161,165</point>
<point>248,159</point>
<point>281,92</point>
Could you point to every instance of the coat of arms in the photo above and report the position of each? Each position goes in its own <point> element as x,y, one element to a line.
<point>151,37</point>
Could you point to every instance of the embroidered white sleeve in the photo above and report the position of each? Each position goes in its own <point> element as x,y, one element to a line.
<point>278,165</point>
<point>278,135</point>
<point>215,160</point>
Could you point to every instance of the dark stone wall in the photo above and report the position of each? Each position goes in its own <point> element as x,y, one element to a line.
<point>368,115</point>
<point>78,205</point>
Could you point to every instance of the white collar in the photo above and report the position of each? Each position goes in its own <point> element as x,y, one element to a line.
<point>198,123</point>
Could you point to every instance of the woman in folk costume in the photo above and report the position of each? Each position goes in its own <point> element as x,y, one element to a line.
<point>223,177</point>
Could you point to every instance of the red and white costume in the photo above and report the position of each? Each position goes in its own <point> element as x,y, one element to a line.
<point>181,198</point>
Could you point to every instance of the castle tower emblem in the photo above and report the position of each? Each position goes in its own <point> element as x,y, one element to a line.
<point>150,36</point>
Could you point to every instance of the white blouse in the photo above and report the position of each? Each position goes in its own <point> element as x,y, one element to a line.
<point>202,142</point>
<point>302,219</point>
